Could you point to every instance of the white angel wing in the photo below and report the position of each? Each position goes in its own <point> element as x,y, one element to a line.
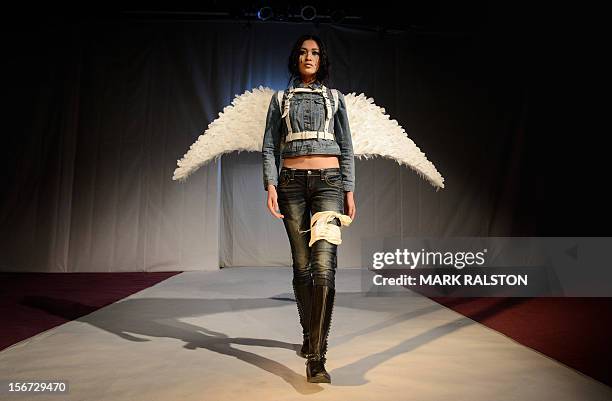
<point>241,126</point>
<point>373,133</point>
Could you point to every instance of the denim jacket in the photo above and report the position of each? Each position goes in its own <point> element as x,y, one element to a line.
<point>307,112</point>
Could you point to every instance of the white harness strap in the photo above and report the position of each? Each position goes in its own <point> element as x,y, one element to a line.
<point>325,134</point>
<point>309,135</point>
<point>335,95</point>
<point>286,111</point>
<point>279,98</point>
<point>328,110</point>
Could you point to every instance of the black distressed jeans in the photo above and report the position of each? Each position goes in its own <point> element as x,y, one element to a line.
<point>302,192</point>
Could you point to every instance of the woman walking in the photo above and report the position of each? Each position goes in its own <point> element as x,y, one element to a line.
<point>307,128</point>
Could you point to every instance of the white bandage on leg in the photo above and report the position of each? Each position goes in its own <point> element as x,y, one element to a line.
<point>321,228</point>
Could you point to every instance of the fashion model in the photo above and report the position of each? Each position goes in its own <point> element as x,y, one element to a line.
<point>307,127</point>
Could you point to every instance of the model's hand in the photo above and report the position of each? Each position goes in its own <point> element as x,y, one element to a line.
<point>273,202</point>
<point>349,205</point>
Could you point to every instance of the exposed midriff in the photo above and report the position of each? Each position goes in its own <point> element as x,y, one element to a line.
<point>311,161</point>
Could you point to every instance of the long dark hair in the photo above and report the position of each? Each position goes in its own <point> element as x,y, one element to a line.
<point>322,73</point>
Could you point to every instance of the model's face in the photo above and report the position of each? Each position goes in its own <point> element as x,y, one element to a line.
<point>309,59</point>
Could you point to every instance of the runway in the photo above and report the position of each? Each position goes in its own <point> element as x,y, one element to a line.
<point>233,334</point>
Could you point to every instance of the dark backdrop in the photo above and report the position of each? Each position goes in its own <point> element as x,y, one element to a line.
<point>98,107</point>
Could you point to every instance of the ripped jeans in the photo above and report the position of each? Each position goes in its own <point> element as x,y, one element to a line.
<point>300,193</point>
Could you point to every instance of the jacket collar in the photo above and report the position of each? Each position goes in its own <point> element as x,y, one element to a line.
<point>297,83</point>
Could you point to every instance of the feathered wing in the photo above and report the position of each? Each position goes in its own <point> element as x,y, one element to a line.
<point>241,126</point>
<point>373,133</point>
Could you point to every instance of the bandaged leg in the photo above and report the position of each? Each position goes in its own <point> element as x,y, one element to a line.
<point>321,227</point>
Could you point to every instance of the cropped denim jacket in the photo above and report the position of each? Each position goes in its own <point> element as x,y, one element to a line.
<point>307,112</point>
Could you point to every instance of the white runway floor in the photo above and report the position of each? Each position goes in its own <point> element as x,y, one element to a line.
<point>233,334</point>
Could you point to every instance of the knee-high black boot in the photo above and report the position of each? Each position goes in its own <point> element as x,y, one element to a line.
<point>320,321</point>
<point>303,299</point>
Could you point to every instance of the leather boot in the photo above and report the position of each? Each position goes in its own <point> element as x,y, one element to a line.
<point>320,321</point>
<point>303,299</point>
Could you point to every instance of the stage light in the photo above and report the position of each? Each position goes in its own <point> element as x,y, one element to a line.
<point>265,13</point>
<point>308,13</point>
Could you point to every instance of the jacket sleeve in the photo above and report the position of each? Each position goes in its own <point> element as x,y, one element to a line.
<point>345,141</point>
<point>271,144</point>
